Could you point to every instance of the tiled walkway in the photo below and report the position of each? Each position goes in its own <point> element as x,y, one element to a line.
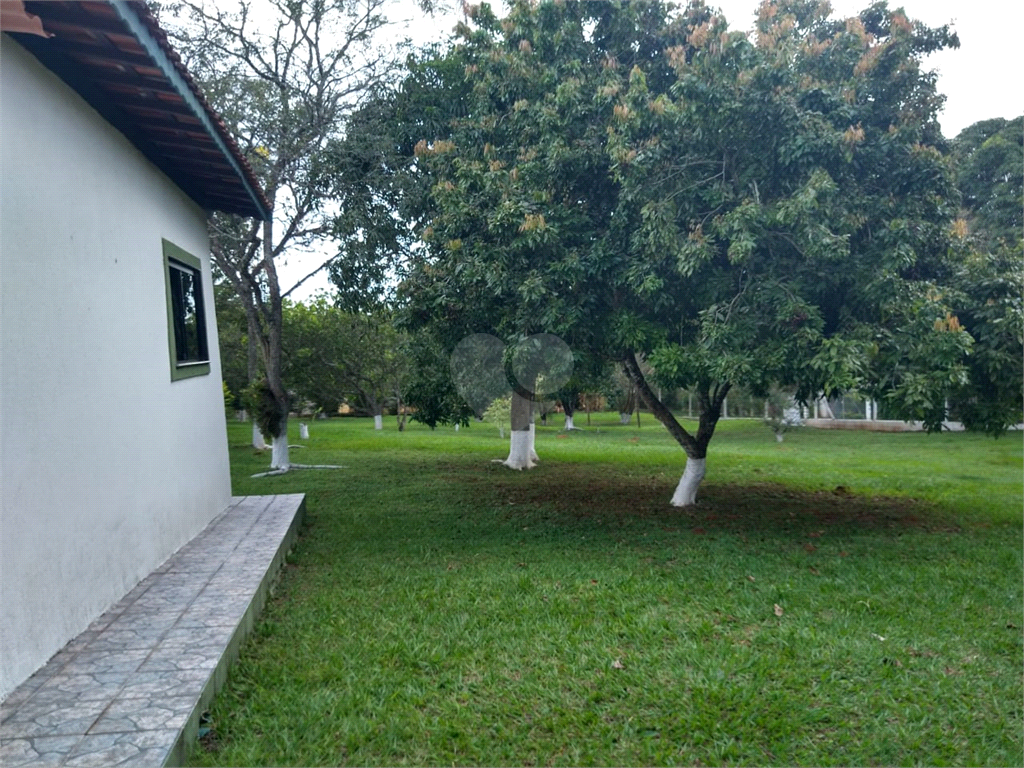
<point>131,688</point>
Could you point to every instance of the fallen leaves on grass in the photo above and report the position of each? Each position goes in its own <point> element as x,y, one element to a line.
<point>813,570</point>
<point>808,547</point>
<point>617,664</point>
<point>778,610</point>
<point>750,578</point>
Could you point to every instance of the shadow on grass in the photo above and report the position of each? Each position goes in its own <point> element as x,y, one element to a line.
<point>571,496</point>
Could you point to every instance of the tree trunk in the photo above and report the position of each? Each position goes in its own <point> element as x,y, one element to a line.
<point>824,408</point>
<point>533,434</point>
<point>279,453</point>
<point>258,441</point>
<point>272,351</point>
<point>279,446</point>
<point>568,423</point>
<point>710,401</point>
<point>686,491</point>
<point>378,421</point>
<point>303,431</point>
<point>519,455</point>
<point>253,366</point>
<point>625,418</point>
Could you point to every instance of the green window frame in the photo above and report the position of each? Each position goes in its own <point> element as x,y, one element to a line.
<point>186,313</point>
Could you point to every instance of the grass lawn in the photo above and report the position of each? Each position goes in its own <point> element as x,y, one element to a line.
<point>843,598</point>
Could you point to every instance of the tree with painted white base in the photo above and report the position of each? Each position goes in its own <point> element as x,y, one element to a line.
<point>521,453</point>
<point>258,441</point>
<point>710,399</point>
<point>742,210</point>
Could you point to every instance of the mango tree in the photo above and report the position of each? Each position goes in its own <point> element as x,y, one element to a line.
<point>760,211</point>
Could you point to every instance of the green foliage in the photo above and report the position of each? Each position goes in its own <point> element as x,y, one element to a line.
<point>264,408</point>
<point>333,356</point>
<point>229,399</point>
<point>499,412</point>
<point>991,180</point>
<point>431,389</point>
<point>232,340</point>
<point>990,306</point>
<point>745,212</point>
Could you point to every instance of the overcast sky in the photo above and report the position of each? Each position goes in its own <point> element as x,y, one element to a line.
<point>981,79</point>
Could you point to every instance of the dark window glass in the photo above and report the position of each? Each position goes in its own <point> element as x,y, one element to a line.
<point>187,310</point>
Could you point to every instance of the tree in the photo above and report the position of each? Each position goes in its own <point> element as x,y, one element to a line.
<point>282,88</point>
<point>334,355</point>
<point>492,262</point>
<point>232,341</point>
<point>991,181</point>
<point>791,192</point>
<point>739,212</point>
<point>989,282</point>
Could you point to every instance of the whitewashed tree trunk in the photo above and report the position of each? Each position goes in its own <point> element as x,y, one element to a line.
<point>303,431</point>
<point>686,491</point>
<point>778,437</point>
<point>258,441</point>
<point>378,422</point>
<point>725,408</point>
<point>568,423</point>
<point>533,444</point>
<point>625,418</point>
<point>520,449</point>
<point>279,452</point>
<point>825,409</point>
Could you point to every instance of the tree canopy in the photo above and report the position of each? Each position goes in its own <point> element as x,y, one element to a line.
<point>742,211</point>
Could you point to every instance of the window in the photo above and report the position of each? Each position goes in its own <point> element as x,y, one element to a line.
<point>186,320</point>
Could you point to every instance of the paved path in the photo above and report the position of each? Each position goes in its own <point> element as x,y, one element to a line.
<point>131,688</point>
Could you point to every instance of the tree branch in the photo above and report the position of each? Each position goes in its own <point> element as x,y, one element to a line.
<point>661,413</point>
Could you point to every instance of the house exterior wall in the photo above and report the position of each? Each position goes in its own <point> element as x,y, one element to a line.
<point>108,466</point>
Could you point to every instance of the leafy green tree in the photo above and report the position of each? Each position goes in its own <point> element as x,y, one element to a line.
<point>989,282</point>
<point>232,341</point>
<point>741,212</point>
<point>791,195</point>
<point>988,300</point>
<point>335,355</point>
<point>990,176</point>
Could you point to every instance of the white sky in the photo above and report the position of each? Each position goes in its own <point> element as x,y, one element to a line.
<point>982,79</point>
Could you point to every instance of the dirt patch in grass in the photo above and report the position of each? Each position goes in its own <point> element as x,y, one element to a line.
<point>763,508</point>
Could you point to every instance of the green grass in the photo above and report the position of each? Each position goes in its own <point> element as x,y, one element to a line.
<point>442,609</point>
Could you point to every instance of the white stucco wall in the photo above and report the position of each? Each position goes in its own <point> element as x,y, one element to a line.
<point>107,466</point>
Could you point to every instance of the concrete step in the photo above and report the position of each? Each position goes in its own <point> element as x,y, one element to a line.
<point>130,689</point>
